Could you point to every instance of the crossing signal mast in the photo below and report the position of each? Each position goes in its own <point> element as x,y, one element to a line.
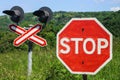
<point>16,14</point>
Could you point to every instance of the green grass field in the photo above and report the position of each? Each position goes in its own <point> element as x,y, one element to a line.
<point>46,66</point>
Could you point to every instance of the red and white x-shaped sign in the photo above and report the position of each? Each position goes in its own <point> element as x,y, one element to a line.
<point>29,34</point>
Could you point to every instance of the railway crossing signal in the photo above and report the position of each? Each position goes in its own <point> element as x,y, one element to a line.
<point>29,34</point>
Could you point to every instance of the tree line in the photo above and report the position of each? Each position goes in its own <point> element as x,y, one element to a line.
<point>111,20</point>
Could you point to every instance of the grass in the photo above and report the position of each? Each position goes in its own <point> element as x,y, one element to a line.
<point>46,66</point>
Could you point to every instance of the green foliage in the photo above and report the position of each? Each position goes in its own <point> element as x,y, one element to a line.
<point>46,66</point>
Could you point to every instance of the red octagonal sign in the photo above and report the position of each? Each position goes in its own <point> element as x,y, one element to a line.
<point>84,46</point>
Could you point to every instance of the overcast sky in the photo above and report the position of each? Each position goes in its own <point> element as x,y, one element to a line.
<point>62,5</point>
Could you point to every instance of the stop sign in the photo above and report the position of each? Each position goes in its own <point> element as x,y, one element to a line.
<point>84,46</point>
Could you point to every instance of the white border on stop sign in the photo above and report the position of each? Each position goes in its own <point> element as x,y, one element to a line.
<point>102,26</point>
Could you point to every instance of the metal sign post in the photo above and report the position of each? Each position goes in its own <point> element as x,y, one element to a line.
<point>30,47</point>
<point>84,77</point>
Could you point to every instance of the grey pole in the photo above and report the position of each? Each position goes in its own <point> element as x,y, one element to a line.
<point>30,45</point>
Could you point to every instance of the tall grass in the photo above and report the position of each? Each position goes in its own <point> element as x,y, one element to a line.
<point>46,66</point>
